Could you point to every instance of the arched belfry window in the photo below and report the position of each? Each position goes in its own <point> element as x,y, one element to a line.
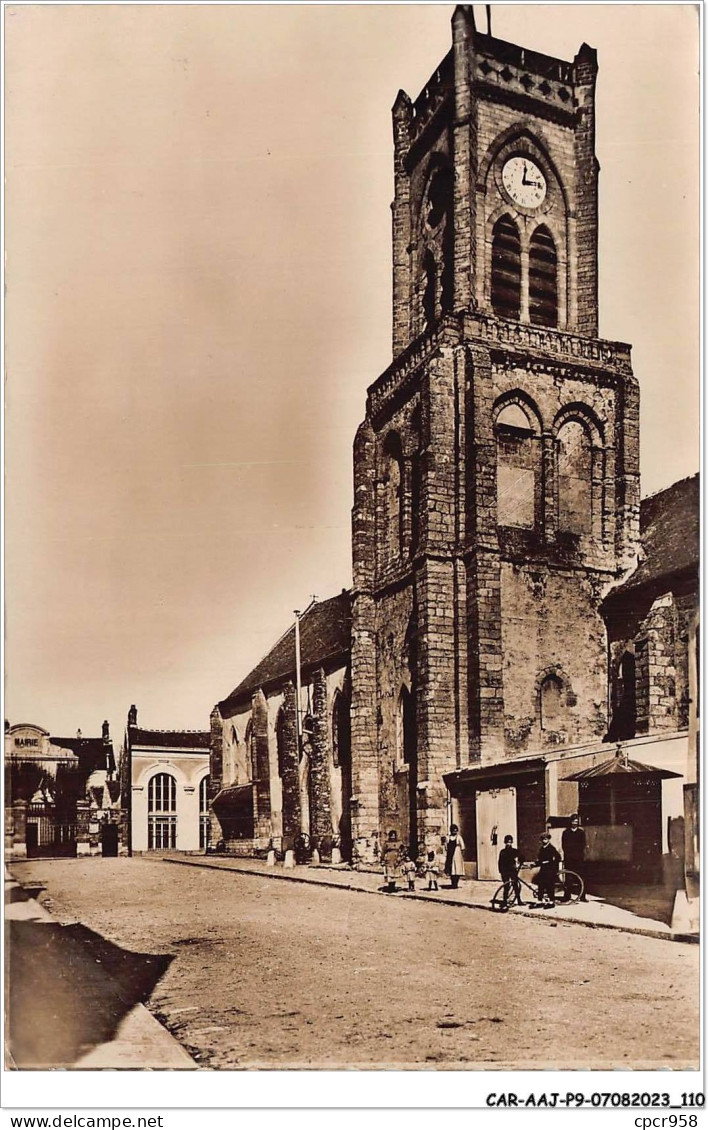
<point>574,479</point>
<point>506,269</point>
<point>518,467</point>
<point>392,484</point>
<point>543,278</point>
<point>438,272</point>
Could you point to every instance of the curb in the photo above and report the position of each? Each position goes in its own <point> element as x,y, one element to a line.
<point>690,939</point>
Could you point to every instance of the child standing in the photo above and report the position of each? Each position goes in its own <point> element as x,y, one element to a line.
<point>548,862</point>
<point>408,870</point>
<point>509,864</point>
<point>432,871</point>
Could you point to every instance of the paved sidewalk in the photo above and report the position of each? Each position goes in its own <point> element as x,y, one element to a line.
<point>473,893</point>
<point>65,1009</point>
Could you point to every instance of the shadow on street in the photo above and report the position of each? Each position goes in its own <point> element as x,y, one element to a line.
<point>68,990</point>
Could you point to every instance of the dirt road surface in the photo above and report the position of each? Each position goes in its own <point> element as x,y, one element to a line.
<point>259,973</point>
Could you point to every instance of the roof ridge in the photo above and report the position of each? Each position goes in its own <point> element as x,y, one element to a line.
<point>172,730</point>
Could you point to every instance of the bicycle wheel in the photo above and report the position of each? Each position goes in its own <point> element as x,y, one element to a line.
<point>569,887</point>
<point>498,902</point>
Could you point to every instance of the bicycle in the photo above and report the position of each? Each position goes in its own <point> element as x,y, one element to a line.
<point>567,881</point>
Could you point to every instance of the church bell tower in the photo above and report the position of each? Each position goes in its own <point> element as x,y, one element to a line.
<point>497,469</point>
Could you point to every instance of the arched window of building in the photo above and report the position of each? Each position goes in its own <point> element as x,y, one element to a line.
<point>506,269</point>
<point>162,812</point>
<point>250,742</point>
<point>405,729</point>
<point>341,731</point>
<point>204,813</point>
<point>543,278</point>
<point>392,482</point>
<point>518,465</point>
<point>574,479</point>
<point>280,740</point>
<point>551,703</point>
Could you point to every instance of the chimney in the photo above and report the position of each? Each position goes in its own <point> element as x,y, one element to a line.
<point>133,716</point>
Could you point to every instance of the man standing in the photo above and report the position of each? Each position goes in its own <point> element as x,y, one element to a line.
<point>573,844</point>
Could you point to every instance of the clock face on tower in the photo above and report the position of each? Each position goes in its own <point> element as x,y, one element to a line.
<point>524,182</point>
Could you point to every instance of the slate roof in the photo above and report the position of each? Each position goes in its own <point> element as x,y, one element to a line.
<point>669,524</point>
<point>325,634</point>
<point>172,739</point>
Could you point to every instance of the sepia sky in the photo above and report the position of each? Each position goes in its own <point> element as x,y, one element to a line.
<point>198,273</point>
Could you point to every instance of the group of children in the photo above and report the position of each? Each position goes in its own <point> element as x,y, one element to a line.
<point>397,861</point>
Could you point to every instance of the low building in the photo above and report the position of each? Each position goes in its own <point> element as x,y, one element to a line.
<point>266,786</point>
<point>61,794</point>
<point>166,781</point>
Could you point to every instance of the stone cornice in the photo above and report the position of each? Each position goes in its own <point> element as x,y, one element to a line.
<point>516,343</point>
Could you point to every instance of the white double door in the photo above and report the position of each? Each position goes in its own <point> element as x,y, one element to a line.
<point>496,818</point>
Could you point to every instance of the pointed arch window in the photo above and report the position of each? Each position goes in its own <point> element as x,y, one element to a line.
<point>506,269</point>
<point>543,278</point>
<point>391,511</point>
<point>574,479</point>
<point>341,732</point>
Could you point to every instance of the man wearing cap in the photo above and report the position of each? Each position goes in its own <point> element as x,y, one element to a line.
<point>573,845</point>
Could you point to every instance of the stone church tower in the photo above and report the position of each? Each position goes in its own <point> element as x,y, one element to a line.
<point>497,469</point>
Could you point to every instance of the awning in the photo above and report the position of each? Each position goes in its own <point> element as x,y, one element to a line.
<point>491,776</point>
<point>233,799</point>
